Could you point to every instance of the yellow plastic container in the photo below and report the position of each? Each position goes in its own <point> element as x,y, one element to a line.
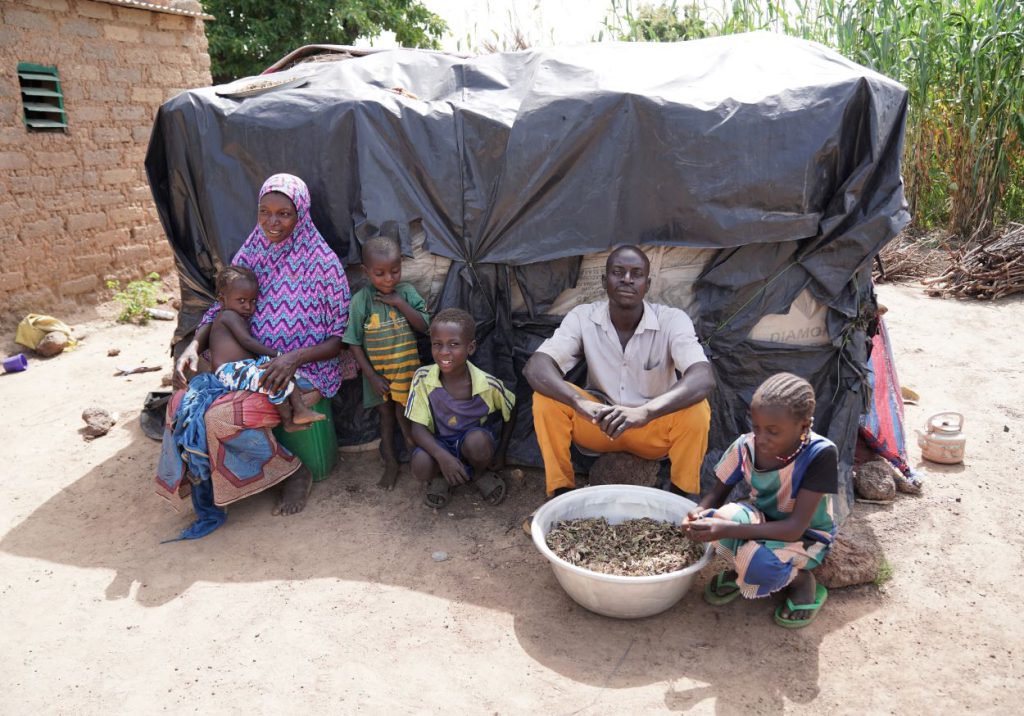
<point>317,445</point>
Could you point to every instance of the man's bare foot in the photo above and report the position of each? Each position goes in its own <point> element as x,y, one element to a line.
<point>801,591</point>
<point>390,476</point>
<point>294,492</point>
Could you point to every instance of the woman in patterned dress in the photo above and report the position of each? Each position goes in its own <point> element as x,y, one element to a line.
<point>302,312</point>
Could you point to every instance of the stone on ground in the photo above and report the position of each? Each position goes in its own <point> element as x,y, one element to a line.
<point>874,480</point>
<point>97,422</point>
<point>852,560</point>
<point>53,343</point>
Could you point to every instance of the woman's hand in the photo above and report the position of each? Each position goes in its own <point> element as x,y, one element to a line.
<point>188,362</point>
<point>707,529</point>
<point>280,370</point>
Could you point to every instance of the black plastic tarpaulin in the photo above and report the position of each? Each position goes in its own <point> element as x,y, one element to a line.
<point>779,153</point>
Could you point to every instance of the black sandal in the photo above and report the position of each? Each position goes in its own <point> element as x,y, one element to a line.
<point>492,487</point>
<point>438,493</point>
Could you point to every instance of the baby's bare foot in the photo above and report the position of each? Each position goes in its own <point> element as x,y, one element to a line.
<point>305,417</point>
<point>290,426</point>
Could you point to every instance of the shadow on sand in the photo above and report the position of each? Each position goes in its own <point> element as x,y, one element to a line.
<point>111,519</point>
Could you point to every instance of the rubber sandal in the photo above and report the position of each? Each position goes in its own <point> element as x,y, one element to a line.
<point>820,595</point>
<point>438,493</point>
<point>492,487</point>
<point>718,583</point>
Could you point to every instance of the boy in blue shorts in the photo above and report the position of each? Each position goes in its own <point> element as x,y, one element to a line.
<point>456,410</point>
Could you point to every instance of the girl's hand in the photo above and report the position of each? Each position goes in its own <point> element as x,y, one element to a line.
<point>188,362</point>
<point>707,529</point>
<point>279,371</point>
<point>695,514</point>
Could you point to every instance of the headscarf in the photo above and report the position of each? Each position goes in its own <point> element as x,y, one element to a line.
<point>304,293</point>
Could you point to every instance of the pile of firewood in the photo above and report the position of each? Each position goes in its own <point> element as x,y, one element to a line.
<point>907,258</point>
<point>992,268</point>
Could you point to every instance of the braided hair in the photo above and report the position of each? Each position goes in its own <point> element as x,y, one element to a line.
<point>788,392</point>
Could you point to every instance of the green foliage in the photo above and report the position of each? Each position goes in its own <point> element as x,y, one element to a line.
<point>963,65</point>
<point>885,572</point>
<point>136,297</point>
<point>249,35</point>
<point>655,23</point>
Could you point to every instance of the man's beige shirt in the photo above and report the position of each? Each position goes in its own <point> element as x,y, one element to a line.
<point>662,344</point>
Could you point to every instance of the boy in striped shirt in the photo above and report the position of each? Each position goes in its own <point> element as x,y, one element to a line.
<point>382,318</point>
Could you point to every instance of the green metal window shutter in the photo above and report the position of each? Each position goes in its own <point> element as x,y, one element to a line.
<point>41,97</point>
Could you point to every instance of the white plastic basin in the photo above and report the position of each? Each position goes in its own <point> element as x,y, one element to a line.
<point>607,594</point>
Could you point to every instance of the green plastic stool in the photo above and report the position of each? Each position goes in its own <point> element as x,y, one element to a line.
<point>316,446</point>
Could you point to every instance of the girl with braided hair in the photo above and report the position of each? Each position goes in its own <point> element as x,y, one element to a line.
<point>785,528</point>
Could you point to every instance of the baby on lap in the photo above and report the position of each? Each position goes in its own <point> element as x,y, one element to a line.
<point>232,349</point>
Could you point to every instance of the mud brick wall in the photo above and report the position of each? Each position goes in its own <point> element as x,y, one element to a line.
<point>76,206</point>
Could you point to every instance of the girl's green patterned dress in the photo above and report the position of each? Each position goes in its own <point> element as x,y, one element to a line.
<point>766,566</point>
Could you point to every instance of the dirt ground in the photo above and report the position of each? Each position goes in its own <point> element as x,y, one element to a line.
<point>343,609</point>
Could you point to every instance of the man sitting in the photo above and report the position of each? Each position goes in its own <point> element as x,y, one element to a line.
<point>637,403</point>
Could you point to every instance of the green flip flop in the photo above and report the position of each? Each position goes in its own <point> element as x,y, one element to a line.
<point>718,583</point>
<point>820,595</point>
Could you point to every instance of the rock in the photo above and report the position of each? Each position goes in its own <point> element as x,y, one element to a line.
<point>874,481</point>
<point>52,344</point>
<point>518,477</point>
<point>850,561</point>
<point>621,468</point>
<point>160,314</point>
<point>113,352</point>
<point>166,379</point>
<point>97,422</point>
<point>176,304</point>
<point>439,556</point>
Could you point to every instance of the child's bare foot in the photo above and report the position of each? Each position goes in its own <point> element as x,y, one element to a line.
<point>802,590</point>
<point>722,589</point>
<point>290,426</point>
<point>305,416</point>
<point>390,476</point>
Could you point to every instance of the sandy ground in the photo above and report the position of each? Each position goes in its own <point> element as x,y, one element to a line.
<point>342,608</point>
